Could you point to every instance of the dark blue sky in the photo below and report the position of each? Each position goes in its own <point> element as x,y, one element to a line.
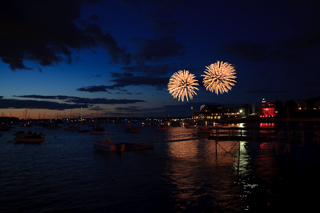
<point>116,57</point>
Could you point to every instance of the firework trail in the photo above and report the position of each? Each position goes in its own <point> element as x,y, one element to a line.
<point>182,84</point>
<point>219,77</point>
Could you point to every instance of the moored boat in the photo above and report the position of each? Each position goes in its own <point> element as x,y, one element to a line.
<point>72,128</point>
<point>100,133</point>
<point>106,144</point>
<point>134,146</point>
<point>202,131</point>
<point>22,137</point>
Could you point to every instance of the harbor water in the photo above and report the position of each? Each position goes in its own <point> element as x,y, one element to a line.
<point>66,174</point>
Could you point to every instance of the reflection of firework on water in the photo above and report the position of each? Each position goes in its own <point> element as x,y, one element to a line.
<point>219,77</point>
<point>182,84</point>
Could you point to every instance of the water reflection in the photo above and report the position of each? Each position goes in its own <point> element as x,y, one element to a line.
<point>241,164</point>
<point>198,175</point>
<point>225,175</point>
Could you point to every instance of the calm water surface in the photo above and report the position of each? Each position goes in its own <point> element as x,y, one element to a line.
<point>65,173</point>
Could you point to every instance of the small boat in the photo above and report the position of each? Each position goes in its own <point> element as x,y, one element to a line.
<point>53,126</point>
<point>72,128</point>
<point>22,137</point>
<point>202,131</point>
<point>100,133</point>
<point>106,144</point>
<point>84,130</point>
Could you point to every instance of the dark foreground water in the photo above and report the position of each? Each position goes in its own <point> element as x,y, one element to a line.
<point>65,174</point>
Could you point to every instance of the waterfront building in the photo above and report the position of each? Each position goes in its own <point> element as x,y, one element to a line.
<point>217,112</point>
<point>311,104</point>
<point>267,109</point>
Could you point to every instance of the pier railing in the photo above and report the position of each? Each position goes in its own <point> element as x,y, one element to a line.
<point>291,135</point>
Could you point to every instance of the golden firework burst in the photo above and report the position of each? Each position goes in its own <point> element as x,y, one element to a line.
<point>183,84</point>
<point>219,77</point>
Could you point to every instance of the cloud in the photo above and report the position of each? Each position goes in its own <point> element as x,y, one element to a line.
<point>125,79</point>
<point>97,108</point>
<point>158,49</point>
<point>94,89</point>
<point>48,31</point>
<point>78,100</point>
<point>290,51</point>
<point>128,79</point>
<point>150,70</point>
<point>34,104</point>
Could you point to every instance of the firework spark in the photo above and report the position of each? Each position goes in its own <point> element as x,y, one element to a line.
<point>219,77</point>
<point>182,84</point>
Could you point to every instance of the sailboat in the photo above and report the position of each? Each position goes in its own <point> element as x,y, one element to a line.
<point>23,137</point>
<point>98,130</point>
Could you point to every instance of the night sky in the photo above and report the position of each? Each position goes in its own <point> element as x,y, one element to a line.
<point>116,57</point>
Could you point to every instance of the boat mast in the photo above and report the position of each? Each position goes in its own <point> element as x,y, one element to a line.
<point>25,119</point>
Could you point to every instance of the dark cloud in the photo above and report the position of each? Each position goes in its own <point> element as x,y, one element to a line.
<point>125,79</point>
<point>56,97</point>
<point>97,108</point>
<point>150,70</point>
<point>34,104</point>
<point>48,31</point>
<point>94,89</point>
<point>158,49</point>
<point>128,79</point>
<point>86,101</point>
<point>291,51</point>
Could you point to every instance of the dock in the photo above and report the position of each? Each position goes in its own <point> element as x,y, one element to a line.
<point>290,135</point>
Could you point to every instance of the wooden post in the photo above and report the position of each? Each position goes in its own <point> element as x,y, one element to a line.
<point>216,148</point>
<point>289,135</point>
<point>217,130</point>
<point>238,158</point>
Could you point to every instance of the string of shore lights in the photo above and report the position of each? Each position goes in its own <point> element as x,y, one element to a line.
<point>218,77</point>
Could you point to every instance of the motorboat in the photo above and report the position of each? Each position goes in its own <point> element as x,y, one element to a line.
<point>100,133</point>
<point>53,126</point>
<point>22,137</point>
<point>202,131</point>
<point>72,128</point>
<point>106,144</point>
<point>135,146</point>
